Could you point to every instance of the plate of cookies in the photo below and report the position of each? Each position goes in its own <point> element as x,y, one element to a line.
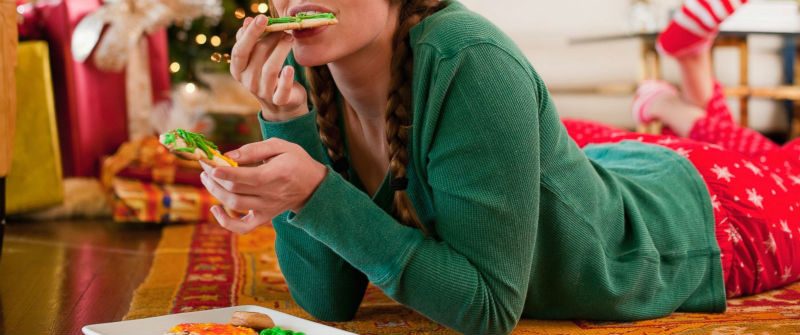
<point>237,320</point>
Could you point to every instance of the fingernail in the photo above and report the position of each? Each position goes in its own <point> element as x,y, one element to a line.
<point>260,19</point>
<point>232,154</point>
<point>247,21</point>
<point>287,37</point>
<point>205,166</point>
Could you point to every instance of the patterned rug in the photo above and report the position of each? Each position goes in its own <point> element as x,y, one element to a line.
<point>203,266</point>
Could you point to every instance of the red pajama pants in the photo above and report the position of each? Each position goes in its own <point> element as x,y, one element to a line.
<point>755,190</point>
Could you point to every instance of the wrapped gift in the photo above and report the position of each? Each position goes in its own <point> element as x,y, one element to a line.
<point>148,161</point>
<point>136,201</point>
<point>34,181</point>
<point>91,104</point>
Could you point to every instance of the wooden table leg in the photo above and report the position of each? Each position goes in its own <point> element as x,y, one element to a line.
<point>794,132</point>
<point>744,81</point>
<point>650,70</point>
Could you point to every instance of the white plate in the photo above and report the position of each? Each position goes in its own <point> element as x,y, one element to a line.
<point>161,324</point>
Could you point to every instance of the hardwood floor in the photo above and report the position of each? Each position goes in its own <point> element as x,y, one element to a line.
<point>56,277</point>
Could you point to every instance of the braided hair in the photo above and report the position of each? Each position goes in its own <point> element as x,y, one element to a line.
<point>398,109</point>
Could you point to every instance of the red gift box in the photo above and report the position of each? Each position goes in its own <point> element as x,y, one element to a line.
<point>90,103</point>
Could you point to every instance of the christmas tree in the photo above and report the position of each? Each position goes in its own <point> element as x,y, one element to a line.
<point>193,43</point>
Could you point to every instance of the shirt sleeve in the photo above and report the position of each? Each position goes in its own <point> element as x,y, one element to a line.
<point>319,280</point>
<point>483,175</point>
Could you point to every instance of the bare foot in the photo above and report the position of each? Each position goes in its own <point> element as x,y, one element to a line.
<point>675,113</point>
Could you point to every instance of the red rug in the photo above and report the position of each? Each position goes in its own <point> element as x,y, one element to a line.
<point>203,266</point>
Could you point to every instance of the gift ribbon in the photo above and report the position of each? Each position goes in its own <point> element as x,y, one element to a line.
<point>123,46</point>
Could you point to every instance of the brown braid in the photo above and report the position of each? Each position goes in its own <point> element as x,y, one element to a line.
<point>323,95</point>
<point>398,110</point>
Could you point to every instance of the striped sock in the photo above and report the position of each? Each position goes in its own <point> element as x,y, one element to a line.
<point>696,24</point>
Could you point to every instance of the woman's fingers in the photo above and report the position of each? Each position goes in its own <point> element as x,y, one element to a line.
<point>252,74</point>
<point>231,200</point>
<point>246,23</point>
<point>240,55</point>
<point>242,180</point>
<point>260,151</point>
<point>283,92</point>
<point>237,225</point>
<point>272,67</point>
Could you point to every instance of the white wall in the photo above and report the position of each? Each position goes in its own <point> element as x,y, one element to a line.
<point>543,30</point>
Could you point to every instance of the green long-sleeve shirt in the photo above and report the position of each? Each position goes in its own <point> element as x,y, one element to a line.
<point>526,224</point>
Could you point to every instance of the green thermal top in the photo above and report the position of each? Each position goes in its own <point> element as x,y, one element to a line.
<point>525,224</point>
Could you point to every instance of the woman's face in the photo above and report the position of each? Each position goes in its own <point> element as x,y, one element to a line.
<point>361,22</point>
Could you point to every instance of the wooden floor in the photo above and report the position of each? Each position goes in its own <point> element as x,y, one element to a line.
<point>56,277</point>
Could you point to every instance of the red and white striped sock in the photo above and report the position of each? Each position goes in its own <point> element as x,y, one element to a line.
<point>696,24</point>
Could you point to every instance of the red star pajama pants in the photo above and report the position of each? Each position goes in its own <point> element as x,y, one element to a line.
<point>755,190</point>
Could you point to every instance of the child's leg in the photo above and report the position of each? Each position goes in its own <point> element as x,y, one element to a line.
<point>713,125</point>
<point>697,78</point>
<point>695,25</point>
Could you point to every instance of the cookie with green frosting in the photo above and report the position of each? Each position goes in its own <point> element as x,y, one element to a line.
<point>300,21</point>
<point>194,146</point>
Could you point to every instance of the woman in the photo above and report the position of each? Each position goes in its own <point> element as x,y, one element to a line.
<point>432,163</point>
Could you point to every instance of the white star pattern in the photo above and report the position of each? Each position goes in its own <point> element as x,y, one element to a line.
<point>755,198</point>
<point>785,227</point>
<point>715,202</point>
<point>667,141</point>
<point>683,152</point>
<point>733,234</point>
<point>752,167</point>
<point>722,173</point>
<point>770,245</point>
<point>787,273</point>
<point>795,180</point>
<point>778,180</point>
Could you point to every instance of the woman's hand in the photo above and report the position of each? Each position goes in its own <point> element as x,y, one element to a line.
<point>284,181</point>
<point>257,63</point>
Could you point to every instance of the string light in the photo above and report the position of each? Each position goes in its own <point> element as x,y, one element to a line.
<point>239,13</point>
<point>175,67</point>
<point>201,39</point>
<point>254,7</point>
<point>190,88</point>
<point>219,58</point>
<point>263,8</point>
<point>216,41</point>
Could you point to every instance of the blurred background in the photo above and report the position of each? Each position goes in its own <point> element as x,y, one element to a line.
<point>546,31</point>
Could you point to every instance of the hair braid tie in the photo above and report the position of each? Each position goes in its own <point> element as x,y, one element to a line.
<point>399,184</point>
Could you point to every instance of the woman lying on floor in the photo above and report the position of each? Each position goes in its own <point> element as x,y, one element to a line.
<point>489,211</point>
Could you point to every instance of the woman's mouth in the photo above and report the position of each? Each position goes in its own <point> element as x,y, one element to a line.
<point>310,9</point>
<point>309,32</point>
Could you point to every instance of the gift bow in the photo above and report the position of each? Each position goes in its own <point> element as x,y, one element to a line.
<point>123,46</point>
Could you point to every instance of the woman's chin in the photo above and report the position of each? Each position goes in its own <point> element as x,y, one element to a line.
<point>310,56</point>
